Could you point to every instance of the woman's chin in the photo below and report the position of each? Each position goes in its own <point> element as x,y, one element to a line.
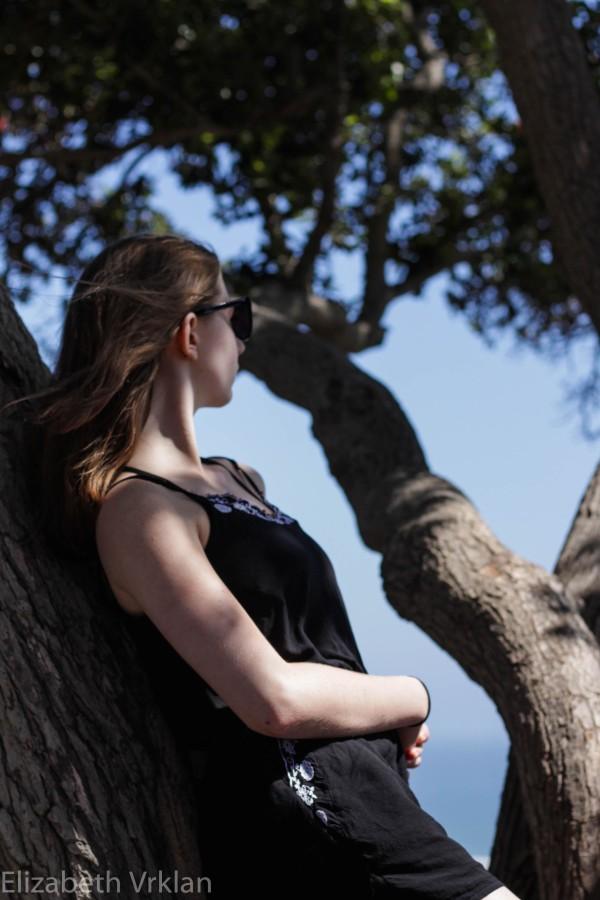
<point>218,401</point>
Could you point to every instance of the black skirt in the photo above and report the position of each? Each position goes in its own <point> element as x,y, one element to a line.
<point>313,817</point>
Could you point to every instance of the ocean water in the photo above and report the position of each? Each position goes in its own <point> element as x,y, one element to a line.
<point>460,784</point>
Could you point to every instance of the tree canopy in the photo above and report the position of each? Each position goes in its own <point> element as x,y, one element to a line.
<point>384,127</point>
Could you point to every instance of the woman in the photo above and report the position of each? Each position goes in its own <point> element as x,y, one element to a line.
<point>235,608</point>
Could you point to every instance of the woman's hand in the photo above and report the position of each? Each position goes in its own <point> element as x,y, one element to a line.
<point>412,738</point>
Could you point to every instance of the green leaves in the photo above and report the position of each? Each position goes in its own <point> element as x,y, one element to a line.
<point>385,124</point>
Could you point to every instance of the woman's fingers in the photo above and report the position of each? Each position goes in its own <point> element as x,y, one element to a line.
<point>414,753</point>
<point>424,734</point>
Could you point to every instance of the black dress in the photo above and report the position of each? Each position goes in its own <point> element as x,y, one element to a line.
<point>292,818</point>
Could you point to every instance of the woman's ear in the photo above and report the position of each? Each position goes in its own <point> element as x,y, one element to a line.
<point>186,338</point>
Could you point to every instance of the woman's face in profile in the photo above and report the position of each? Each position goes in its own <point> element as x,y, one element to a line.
<point>218,352</point>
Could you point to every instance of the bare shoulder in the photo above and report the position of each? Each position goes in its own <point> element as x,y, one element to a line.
<point>122,514</point>
<point>254,475</point>
<point>149,544</point>
<point>249,470</point>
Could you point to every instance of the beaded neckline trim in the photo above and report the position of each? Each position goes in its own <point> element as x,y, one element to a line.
<point>224,502</point>
<point>227,502</point>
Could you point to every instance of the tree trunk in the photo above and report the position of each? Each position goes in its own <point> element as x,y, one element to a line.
<point>512,858</point>
<point>555,91</point>
<point>92,786</point>
<point>512,626</point>
<point>553,87</point>
<point>578,569</point>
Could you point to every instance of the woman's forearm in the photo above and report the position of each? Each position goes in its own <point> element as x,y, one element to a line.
<point>328,701</point>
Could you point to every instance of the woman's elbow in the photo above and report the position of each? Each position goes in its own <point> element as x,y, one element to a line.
<point>275,716</point>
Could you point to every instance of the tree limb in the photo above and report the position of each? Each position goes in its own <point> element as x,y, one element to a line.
<point>545,62</point>
<point>512,626</point>
<point>512,857</point>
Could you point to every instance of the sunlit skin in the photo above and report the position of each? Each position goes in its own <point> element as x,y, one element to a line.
<point>197,369</point>
<point>413,743</point>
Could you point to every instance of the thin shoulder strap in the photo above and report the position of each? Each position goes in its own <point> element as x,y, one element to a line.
<point>119,482</point>
<point>158,479</point>
<point>215,459</point>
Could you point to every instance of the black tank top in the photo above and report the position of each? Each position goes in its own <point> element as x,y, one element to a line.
<point>281,576</point>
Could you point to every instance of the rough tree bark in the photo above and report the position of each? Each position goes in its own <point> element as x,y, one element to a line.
<point>553,88</point>
<point>579,570</point>
<point>544,60</point>
<point>515,628</point>
<point>90,780</point>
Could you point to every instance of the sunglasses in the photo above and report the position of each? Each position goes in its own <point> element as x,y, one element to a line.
<point>241,320</point>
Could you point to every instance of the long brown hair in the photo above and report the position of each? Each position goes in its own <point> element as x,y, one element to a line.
<point>124,310</point>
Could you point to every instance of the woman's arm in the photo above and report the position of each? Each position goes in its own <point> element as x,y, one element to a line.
<point>327,701</point>
<point>150,548</point>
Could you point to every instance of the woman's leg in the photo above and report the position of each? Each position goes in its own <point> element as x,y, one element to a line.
<point>363,803</point>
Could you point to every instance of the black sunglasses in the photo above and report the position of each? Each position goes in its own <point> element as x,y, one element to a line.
<point>241,320</point>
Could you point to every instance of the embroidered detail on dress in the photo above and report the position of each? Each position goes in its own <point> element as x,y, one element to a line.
<point>226,502</point>
<point>297,772</point>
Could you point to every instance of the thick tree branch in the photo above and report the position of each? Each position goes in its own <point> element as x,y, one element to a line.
<point>545,63</point>
<point>578,566</point>
<point>511,625</point>
<point>512,857</point>
<point>325,317</point>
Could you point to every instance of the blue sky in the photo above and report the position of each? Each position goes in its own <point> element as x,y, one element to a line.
<point>491,421</point>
